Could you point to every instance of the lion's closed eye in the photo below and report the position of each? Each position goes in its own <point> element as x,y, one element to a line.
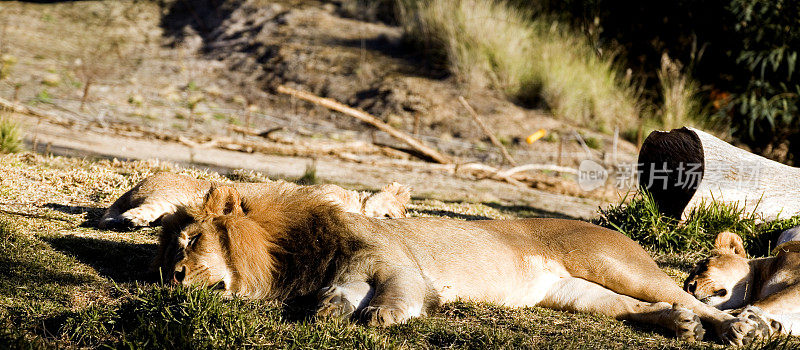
<point>193,240</point>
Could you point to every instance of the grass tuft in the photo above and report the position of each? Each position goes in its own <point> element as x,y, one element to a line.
<point>10,135</point>
<point>640,220</point>
<point>529,57</point>
<point>680,106</point>
<point>309,175</point>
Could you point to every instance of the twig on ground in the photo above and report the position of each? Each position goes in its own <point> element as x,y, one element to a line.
<point>488,132</point>
<point>367,118</point>
<point>550,167</point>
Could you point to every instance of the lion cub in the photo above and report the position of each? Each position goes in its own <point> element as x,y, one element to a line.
<point>285,245</point>
<point>728,280</point>
<point>162,193</point>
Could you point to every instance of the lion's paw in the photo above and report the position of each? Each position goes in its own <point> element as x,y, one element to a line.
<point>334,304</point>
<point>686,324</point>
<point>134,220</point>
<point>766,324</point>
<point>745,328</point>
<point>383,316</point>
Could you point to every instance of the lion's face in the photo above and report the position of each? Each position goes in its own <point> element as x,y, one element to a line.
<point>201,257</point>
<point>720,281</point>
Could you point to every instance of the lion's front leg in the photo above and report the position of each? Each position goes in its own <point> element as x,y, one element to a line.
<point>400,294</point>
<point>343,300</point>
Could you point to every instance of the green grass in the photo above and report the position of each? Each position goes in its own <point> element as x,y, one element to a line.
<point>66,285</point>
<point>36,283</point>
<point>10,135</point>
<point>529,57</point>
<point>640,219</point>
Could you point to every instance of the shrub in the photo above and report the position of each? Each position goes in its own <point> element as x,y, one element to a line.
<point>745,58</point>
<point>530,58</point>
<point>764,105</point>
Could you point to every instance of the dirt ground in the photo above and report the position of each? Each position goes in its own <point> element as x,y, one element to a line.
<point>195,71</point>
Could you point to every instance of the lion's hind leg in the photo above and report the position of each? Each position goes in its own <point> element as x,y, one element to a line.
<point>576,294</point>
<point>771,323</point>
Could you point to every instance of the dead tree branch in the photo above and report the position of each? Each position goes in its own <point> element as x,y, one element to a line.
<point>367,118</point>
<point>488,132</point>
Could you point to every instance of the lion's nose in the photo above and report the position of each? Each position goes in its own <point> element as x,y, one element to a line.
<point>691,287</point>
<point>179,275</point>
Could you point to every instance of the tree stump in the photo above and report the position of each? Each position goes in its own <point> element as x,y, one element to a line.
<point>686,167</point>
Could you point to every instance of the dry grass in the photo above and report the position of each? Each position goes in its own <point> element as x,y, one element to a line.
<point>680,105</point>
<point>489,43</point>
<point>10,135</point>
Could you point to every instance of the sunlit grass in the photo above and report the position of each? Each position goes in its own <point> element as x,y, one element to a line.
<point>530,58</point>
<point>640,219</point>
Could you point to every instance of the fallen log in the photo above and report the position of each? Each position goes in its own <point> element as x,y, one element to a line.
<point>686,167</point>
<point>21,109</point>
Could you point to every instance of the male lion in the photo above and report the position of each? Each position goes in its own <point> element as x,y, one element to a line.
<point>767,288</point>
<point>287,244</point>
<point>162,193</point>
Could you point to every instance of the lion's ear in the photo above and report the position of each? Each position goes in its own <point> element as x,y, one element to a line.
<point>730,243</point>
<point>399,191</point>
<point>222,200</point>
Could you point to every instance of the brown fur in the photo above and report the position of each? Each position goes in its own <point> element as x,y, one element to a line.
<point>297,244</point>
<point>728,280</point>
<point>163,193</point>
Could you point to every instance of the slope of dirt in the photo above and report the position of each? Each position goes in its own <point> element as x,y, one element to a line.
<point>194,71</point>
<point>308,45</point>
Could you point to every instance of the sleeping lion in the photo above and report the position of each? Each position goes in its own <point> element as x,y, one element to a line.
<point>295,243</point>
<point>767,288</point>
<point>160,194</point>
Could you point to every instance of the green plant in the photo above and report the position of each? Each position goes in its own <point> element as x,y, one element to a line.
<point>43,97</point>
<point>640,220</point>
<point>593,142</point>
<point>764,104</point>
<point>10,135</point>
<point>163,317</point>
<point>6,63</point>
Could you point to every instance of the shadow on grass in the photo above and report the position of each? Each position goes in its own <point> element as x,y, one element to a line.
<point>118,261</point>
<point>524,211</point>
<point>450,214</point>
<point>92,214</point>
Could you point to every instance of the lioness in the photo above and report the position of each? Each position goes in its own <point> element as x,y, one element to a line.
<point>728,280</point>
<point>162,193</point>
<point>287,244</point>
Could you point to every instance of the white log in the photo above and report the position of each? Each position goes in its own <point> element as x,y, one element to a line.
<point>726,174</point>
